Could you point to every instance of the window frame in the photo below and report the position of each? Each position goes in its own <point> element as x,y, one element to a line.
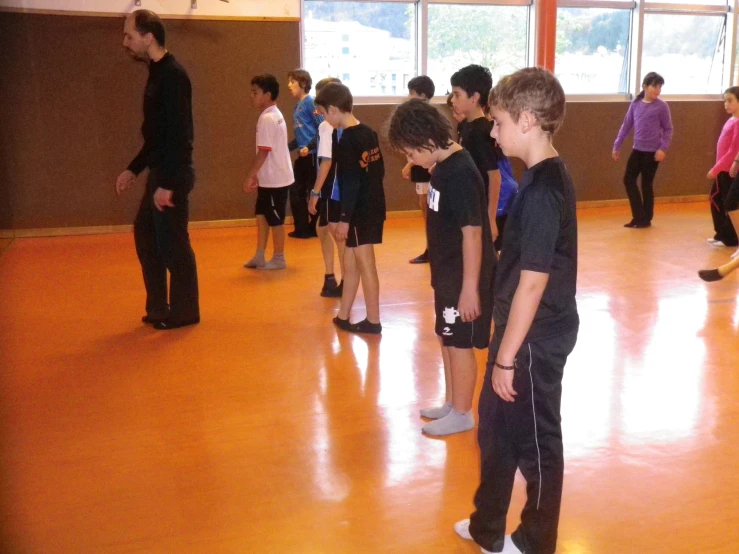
<point>639,8</point>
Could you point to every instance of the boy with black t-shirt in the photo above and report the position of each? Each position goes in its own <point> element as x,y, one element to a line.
<point>461,255</point>
<point>421,87</point>
<point>470,88</point>
<point>361,170</point>
<point>325,200</point>
<point>536,324</point>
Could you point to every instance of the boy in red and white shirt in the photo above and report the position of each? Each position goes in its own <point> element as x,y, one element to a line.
<point>271,173</point>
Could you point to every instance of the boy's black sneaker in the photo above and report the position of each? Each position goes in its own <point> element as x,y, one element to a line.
<point>422,259</point>
<point>343,324</point>
<point>365,326</point>
<point>331,289</point>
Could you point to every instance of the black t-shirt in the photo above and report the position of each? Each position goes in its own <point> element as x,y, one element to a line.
<point>475,138</point>
<point>361,170</point>
<point>541,235</point>
<point>456,199</point>
<point>420,174</point>
<point>167,126</point>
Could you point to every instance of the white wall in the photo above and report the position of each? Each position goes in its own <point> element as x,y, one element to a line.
<point>248,8</point>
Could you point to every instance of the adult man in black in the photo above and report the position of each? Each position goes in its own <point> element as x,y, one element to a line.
<point>160,229</point>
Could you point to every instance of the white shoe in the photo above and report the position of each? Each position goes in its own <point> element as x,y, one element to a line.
<point>274,264</point>
<point>714,242</point>
<point>462,529</point>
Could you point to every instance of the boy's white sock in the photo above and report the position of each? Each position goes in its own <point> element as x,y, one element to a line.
<point>453,422</point>
<point>257,260</point>
<point>437,412</point>
<point>277,262</point>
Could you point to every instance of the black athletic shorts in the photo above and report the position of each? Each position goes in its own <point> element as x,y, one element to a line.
<point>329,211</point>
<point>457,333</point>
<point>271,203</point>
<point>364,233</point>
<point>731,202</point>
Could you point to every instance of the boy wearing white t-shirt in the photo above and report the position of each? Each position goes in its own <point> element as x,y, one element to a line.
<point>271,173</point>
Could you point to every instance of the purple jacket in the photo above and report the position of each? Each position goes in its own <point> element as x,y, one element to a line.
<point>651,123</point>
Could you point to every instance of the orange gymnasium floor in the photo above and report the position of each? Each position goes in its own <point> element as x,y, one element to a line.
<point>264,430</point>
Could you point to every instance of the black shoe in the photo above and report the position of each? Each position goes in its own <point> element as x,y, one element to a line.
<point>422,259</point>
<point>297,235</point>
<point>710,275</point>
<point>332,290</point>
<point>365,326</point>
<point>642,225</point>
<point>169,324</point>
<point>630,224</point>
<point>342,324</point>
<point>152,320</point>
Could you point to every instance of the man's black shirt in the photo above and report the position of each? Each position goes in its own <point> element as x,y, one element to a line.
<point>541,236</point>
<point>167,127</point>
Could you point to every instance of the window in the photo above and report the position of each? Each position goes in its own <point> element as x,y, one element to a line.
<point>687,50</point>
<point>459,35</point>
<point>345,77</point>
<point>592,46</point>
<point>380,36</point>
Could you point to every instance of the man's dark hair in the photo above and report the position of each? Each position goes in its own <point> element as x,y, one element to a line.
<point>474,78</point>
<point>302,77</point>
<point>422,85</point>
<point>416,124</point>
<point>146,21</point>
<point>335,94</point>
<point>268,83</point>
<point>325,81</point>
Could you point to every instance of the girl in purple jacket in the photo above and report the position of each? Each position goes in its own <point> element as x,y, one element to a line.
<point>650,118</point>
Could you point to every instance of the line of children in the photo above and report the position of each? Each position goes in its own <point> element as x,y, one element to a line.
<point>325,201</point>
<point>361,171</point>
<point>271,173</point>
<point>421,87</point>
<point>305,123</point>
<point>650,119</point>
<point>536,325</point>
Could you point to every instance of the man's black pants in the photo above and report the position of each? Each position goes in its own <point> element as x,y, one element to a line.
<point>163,243</point>
<point>305,178</point>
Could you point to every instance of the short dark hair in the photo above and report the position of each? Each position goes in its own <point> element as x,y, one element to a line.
<point>422,85</point>
<point>531,89</point>
<point>734,91</point>
<point>325,81</point>
<point>416,124</point>
<point>268,83</point>
<point>146,21</point>
<point>474,78</point>
<point>335,94</point>
<point>302,77</point>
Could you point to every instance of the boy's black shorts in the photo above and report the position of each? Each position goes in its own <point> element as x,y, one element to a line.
<point>457,333</point>
<point>329,211</point>
<point>364,233</point>
<point>271,203</point>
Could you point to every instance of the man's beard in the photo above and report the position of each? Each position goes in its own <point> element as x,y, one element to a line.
<point>138,57</point>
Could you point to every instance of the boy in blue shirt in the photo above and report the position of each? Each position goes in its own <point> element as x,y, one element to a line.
<point>305,123</point>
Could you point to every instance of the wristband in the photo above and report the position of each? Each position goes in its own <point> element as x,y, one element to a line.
<point>506,367</point>
<point>315,194</point>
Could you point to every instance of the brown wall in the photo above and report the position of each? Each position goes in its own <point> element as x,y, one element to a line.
<point>70,108</point>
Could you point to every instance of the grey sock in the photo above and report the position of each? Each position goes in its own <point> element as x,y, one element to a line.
<point>453,422</point>
<point>277,262</point>
<point>257,260</point>
<point>437,412</point>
